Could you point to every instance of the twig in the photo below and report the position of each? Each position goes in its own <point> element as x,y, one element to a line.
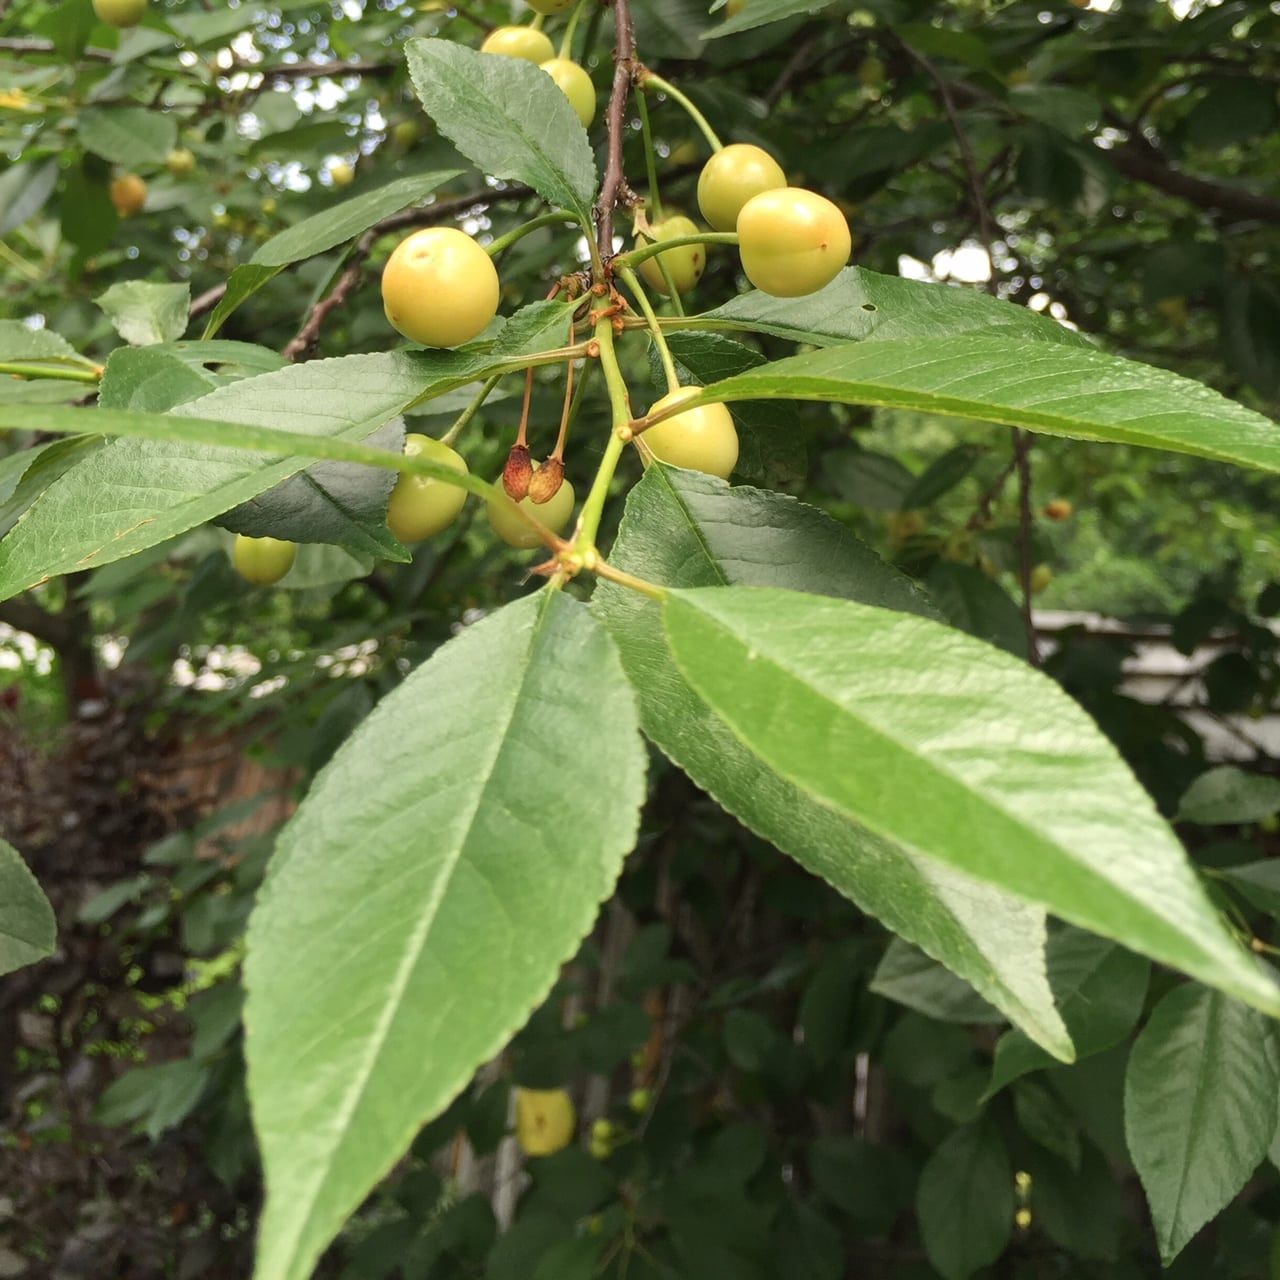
<point>314,70</point>
<point>300,345</point>
<point>208,300</point>
<point>22,45</point>
<point>615,183</point>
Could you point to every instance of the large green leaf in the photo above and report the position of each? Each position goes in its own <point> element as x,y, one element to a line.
<point>965,1201</point>
<point>447,861</point>
<point>683,529</point>
<point>960,752</point>
<point>130,136</point>
<point>1200,1107</point>
<point>343,221</point>
<point>320,232</point>
<point>509,118</point>
<point>27,928</point>
<point>1229,795</point>
<point>756,13</point>
<point>331,502</point>
<point>136,493</point>
<point>22,343</point>
<point>151,380</point>
<point>865,306</point>
<point>1047,387</point>
<point>1100,989</point>
<point>144,313</point>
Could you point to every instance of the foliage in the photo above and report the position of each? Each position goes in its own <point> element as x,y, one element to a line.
<point>905,902</point>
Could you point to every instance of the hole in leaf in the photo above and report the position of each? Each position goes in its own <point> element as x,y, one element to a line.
<point>870,306</point>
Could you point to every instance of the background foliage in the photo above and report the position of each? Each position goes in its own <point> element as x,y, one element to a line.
<point>816,1098</point>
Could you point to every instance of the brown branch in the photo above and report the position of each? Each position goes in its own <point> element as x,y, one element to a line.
<point>21,45</point>
<point>315,70</point>
<point>58,631</point>
<point>1143,163</point>
<point>207,300</point>
<point>624,71</point>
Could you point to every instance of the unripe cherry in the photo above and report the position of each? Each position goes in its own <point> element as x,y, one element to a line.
<point>685,263</point>
<point>731,177</point>
<point>699,439</point>
<point>576,85</point>
<point>263,561</point>
<point>120,13</point>
<point>422,506</point>
<point>439,287</point>
<point>513,530</point>
<point>792,242</point>
<point>545,1121</point>
<point>519,42</point>
<point>180,162</point>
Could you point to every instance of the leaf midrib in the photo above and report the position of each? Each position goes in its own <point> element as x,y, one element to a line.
<point>417,942</point>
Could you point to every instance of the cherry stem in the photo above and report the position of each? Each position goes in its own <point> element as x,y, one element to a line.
<point>450,437</point>
<point>647,78</point>
<point>566,44</point>
<point>504,242</point>
<point>642,253</point>
<point>558,451</point>
<point>523,433</point>
<point>650,159</point>
<point>64,373</point>
<point>584,540</point>
<point>632,282</point>
<point>651,589</point>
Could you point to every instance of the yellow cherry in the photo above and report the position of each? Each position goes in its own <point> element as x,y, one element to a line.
<point>545,1121</point>
<point>555,514</point>
<point>519,42</point>
<point>685,264</point>
<point>439,287</point>
<point>731,177</point>
<point>421,506</point>
<point>128,193</point>
<point>180,162</point>
<point>262,561</point>
<point>792,242</point>
<point>700,439</point>
<point>120,13</point>
<point>342,174</point>
<point>576,85</point>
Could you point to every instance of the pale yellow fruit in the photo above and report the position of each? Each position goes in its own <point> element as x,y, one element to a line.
<point>545,1121</point>
<point>700,439</point>
<point>180,162</point>
<point>576,85</point>
<point>120,13</point>
<point>792,242</point>
<point>519,42</point>
<point>262,561</point>
<point>421,506</point>
<point>514,531</point>
<point>439,287</point>
<point>731,177</point>
<point>686,263</point>
<point>342,174</point>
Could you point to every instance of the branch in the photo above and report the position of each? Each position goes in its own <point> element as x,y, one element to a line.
<point>10,45</point>
<point>57,630</point>
<point>315,70</point>
<point>624,70</point>
<point>1143,163</point>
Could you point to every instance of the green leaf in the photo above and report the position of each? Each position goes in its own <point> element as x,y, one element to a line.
<point>869,711</point>
<point>20,342</point>
<point>158,1097</point>
<point>683,529</point>
<point>243,283</point>
<point>1046,387</point>
<point>758,13</point>
<point>344,221</point>
<point>447,861</point>
<point>1200,1108</point>
<point>941,476</point>
<point>965,1201</point>
<point>144,314</point>
<point>1258,883</point>
<point>184,469</point>
<point>864,306</point>
<point>1100,989</point>
<point>910,977</point>
<point>972,602</point>
<point>507,117</point>
<point>24,190</point>
<point>28,931</point>
<point>151,380</point>
<point>331,502</point>
<point>130,136</point>
<point>1229,795</point>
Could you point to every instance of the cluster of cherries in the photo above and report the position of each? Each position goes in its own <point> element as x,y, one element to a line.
<point>440,288</point>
